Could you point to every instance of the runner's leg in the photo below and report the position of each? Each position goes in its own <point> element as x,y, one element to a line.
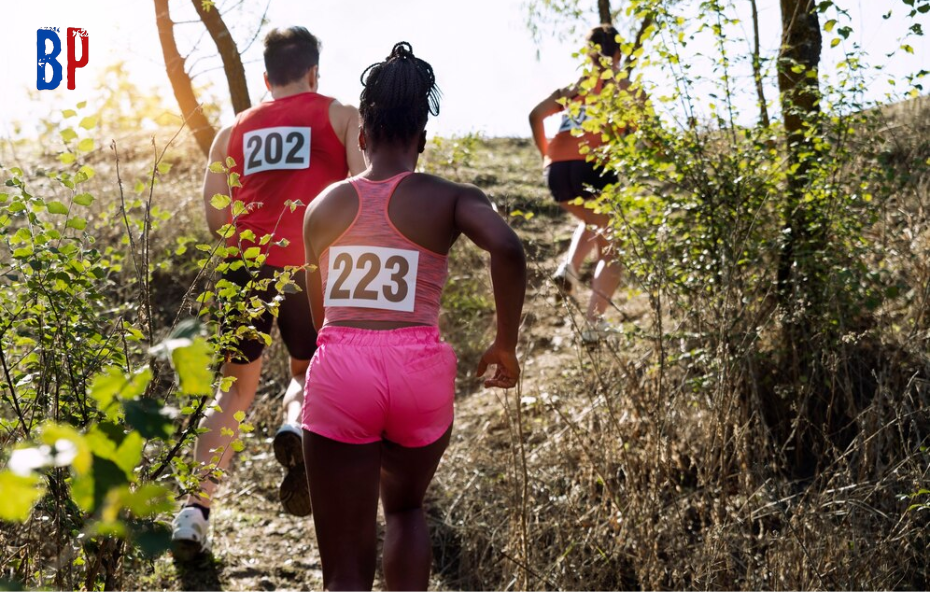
<point>582,243</point>
<point>294,395</point>
<point>238,398</point>
<point>608,271</point>
<point>299,336</point>
<point>344,493</point>
<point>405,475</point>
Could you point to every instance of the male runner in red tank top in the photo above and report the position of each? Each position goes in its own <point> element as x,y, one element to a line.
<point>285,150</point>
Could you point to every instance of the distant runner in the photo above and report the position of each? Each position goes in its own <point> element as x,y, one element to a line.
<point>378,410</point>
<point>571,176</point>
<point>289,148</point>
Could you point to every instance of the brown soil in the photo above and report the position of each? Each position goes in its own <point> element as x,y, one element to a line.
<point>256,546</point>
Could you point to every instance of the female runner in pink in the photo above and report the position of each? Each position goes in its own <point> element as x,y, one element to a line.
<point>378,409</point>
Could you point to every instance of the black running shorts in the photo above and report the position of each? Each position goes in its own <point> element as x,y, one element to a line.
<point>294,319</point>
<point>570,179</point>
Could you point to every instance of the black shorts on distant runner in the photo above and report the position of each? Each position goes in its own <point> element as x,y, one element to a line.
<point>294,319</point>
<point>570,179</point>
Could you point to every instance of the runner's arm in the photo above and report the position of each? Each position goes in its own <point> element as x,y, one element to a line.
<point>314,278</point>
<point>214,183</point>
<point>344,119</point>
<point>475,218</point>
<point>548,106</point>
<point>354,155</point>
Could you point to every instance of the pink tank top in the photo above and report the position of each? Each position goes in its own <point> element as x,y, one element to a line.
<point>372,272</point>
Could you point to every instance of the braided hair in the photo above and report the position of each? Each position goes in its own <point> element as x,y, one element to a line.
<point>398,96</point>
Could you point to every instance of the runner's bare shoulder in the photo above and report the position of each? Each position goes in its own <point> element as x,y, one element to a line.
<point>341,116</point>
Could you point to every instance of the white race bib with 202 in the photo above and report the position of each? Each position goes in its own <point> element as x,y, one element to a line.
<point>274,148</point>
<point>372,277</point>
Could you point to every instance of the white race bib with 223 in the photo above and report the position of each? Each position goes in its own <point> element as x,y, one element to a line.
<point>372,277</point>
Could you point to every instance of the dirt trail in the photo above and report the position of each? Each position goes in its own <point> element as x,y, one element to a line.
<point>256,546</point>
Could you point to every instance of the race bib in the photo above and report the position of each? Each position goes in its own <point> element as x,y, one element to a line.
<point>274,148</point>
<point>372,277</point>
<point>570,123</point>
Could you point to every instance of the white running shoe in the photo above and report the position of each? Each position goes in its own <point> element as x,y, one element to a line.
<point>566,278</point>
<point>190,534</point>
<point>595,332</point>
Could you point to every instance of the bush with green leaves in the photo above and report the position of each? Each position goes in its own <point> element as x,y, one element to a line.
<point>100,404</point>
<point>706,223</point>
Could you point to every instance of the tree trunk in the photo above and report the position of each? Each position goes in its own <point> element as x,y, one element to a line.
<point>800,102</point>
<point>603,10</point>
<point>232,61</point>
<point>180,81</point>
<point>757,67</point>
<point>810,419</point>
<point>637,43</point>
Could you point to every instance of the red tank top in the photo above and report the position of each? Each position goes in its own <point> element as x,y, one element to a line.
<point>372,272</point>
<point>567,146</point>
<point>285,150</point>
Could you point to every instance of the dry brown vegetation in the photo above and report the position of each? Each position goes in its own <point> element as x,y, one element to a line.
<point>609,468</point>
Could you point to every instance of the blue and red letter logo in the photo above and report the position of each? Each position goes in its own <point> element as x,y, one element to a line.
<point>48,56</point>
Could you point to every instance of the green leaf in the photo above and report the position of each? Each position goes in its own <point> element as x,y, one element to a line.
<point>19,493</point>
<point>230,162</point>
<point>129,453</point>
<point>835,42</point>
<point>67,158</point>
<point>153,538</point>
<point>82,104</point>
<point>193,363</point>
<point>52,433</point>
<point>68,113</point>
<point>89,122</point>
<point>828,26</point>
<point>90,490</point>
<point>113,383</point>
<point>239,416</point>
<point>164,167</point>
<point>86,145</point>
<point>216,167</point>
<point>149,418</point>
<point>149,500</point>
<point>68,134</point>
<point>252,252</point>
<point>88,171</point>
<point>83,199</point>
<point>56,207</point>
<point>77,223</point>
<point>220,201</point>
<point>907,48</point>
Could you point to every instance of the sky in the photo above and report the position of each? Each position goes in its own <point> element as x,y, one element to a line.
<point>490,70</point>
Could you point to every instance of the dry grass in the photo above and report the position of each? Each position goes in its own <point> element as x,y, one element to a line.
<point>607,470</point>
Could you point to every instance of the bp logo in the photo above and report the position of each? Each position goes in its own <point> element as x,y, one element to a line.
<point>48,48</point>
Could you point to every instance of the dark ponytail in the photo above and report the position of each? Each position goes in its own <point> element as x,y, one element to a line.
<point>399,95</point>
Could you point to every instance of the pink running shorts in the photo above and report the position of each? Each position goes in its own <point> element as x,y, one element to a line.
<point>365,386</point>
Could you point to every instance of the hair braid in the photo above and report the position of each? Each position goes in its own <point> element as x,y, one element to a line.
<point>399,95</point>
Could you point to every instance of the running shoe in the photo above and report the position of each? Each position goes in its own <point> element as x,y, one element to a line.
<point>595,332</point>
<point>190,534</point>
<point>288,450</point>
<point>566,278</point>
